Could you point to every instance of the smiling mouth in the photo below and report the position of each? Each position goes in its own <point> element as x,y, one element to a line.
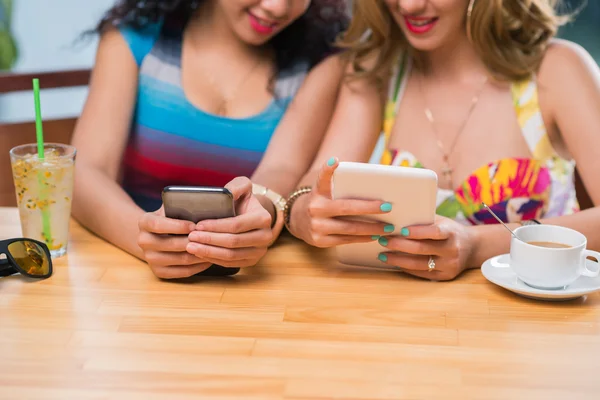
<point>420,25</point>
<point>421,22</point>
<point>262,22</point>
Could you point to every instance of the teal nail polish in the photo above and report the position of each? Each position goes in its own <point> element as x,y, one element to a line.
<point>375,237</point>
<point>383,241</point>
<point>331,161</point>
<point>404,232</point>
<point>386,207</point>
<point>382,257</point>
<point>388,228</point>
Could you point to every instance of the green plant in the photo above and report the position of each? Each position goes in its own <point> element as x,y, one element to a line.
<point>8,47</point>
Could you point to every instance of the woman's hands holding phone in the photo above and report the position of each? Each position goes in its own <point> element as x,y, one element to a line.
<point>179,249</point>
<point>323,222</point>
<point>164,242</point>
<point>240,241</point>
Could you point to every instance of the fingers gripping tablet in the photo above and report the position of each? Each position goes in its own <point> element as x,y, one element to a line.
<point>410,192</point>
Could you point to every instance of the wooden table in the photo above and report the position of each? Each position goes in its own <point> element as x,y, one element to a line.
<point>295,327</point>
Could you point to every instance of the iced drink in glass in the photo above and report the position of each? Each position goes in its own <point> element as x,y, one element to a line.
<point>44,189</point>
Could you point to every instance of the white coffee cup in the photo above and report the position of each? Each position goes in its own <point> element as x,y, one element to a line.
<point>551,268</point>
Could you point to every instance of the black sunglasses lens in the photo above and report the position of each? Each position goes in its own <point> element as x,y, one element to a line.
<point>31,257</point>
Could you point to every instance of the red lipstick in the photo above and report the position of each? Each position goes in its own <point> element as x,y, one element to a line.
<point>420,25</point>
<point>261,26</point>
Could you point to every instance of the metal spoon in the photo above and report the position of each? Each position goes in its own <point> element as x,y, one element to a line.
<point>499,220</point>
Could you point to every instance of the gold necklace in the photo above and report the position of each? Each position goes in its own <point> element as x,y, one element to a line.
<point>447,170</point>
<point>224,105</point>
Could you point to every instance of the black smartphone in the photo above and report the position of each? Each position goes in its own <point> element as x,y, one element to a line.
<point>198,203</point>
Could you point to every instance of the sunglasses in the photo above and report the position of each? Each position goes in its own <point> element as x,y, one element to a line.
<point>27,257</point>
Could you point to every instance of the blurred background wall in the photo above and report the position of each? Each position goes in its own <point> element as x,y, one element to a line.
<point>585,30</point>
<point>47,35</point>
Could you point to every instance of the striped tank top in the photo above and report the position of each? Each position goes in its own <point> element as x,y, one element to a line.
<point>172,142</point>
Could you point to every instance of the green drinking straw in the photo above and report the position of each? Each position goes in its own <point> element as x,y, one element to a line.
<point>39,132</point>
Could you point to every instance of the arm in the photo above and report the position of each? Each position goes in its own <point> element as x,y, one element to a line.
<point>570,82</point>
<point>351,136</point>
<point>99,203</point>
<point>354,128</point>
<point>300,132</point>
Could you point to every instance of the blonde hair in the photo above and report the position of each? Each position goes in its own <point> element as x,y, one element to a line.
<point>511,36</point>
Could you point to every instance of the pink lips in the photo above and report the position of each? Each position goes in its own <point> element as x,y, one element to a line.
<point>259,27</point>
<point>416,24</point>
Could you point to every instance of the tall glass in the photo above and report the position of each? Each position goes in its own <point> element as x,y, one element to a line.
<point>44,190</point>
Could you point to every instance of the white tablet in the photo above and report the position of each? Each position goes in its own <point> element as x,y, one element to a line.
<point>411,191</point>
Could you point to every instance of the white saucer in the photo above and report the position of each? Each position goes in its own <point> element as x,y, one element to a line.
<point>497,271</point>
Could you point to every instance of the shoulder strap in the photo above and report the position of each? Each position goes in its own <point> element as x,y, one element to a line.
<point>396,90</point>
<point>398,81</point>
<point>289,80</point>
<point>141,41</point>
<point>529,116</point>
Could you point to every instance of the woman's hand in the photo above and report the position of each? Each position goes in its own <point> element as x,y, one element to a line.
<point>240,241</point>
<point>449,243</point>
<point>164,241</point>
<point>323,222</point>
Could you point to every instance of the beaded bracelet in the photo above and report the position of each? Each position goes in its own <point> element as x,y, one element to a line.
<point>287,210</point>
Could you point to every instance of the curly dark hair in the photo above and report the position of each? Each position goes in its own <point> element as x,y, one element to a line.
<point>310,38</point>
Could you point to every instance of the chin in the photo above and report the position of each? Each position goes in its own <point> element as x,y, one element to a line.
<point>253,39</point>
<point>424,45</point>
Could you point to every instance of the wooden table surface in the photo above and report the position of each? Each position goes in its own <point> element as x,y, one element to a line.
<point>296,327</point>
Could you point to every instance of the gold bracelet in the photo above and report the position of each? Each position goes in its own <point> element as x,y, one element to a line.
<point>279,205</point>
<point>287,210</point>
<point>275,198</point>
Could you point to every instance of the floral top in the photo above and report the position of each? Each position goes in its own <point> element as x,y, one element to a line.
<point>516,189</point>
